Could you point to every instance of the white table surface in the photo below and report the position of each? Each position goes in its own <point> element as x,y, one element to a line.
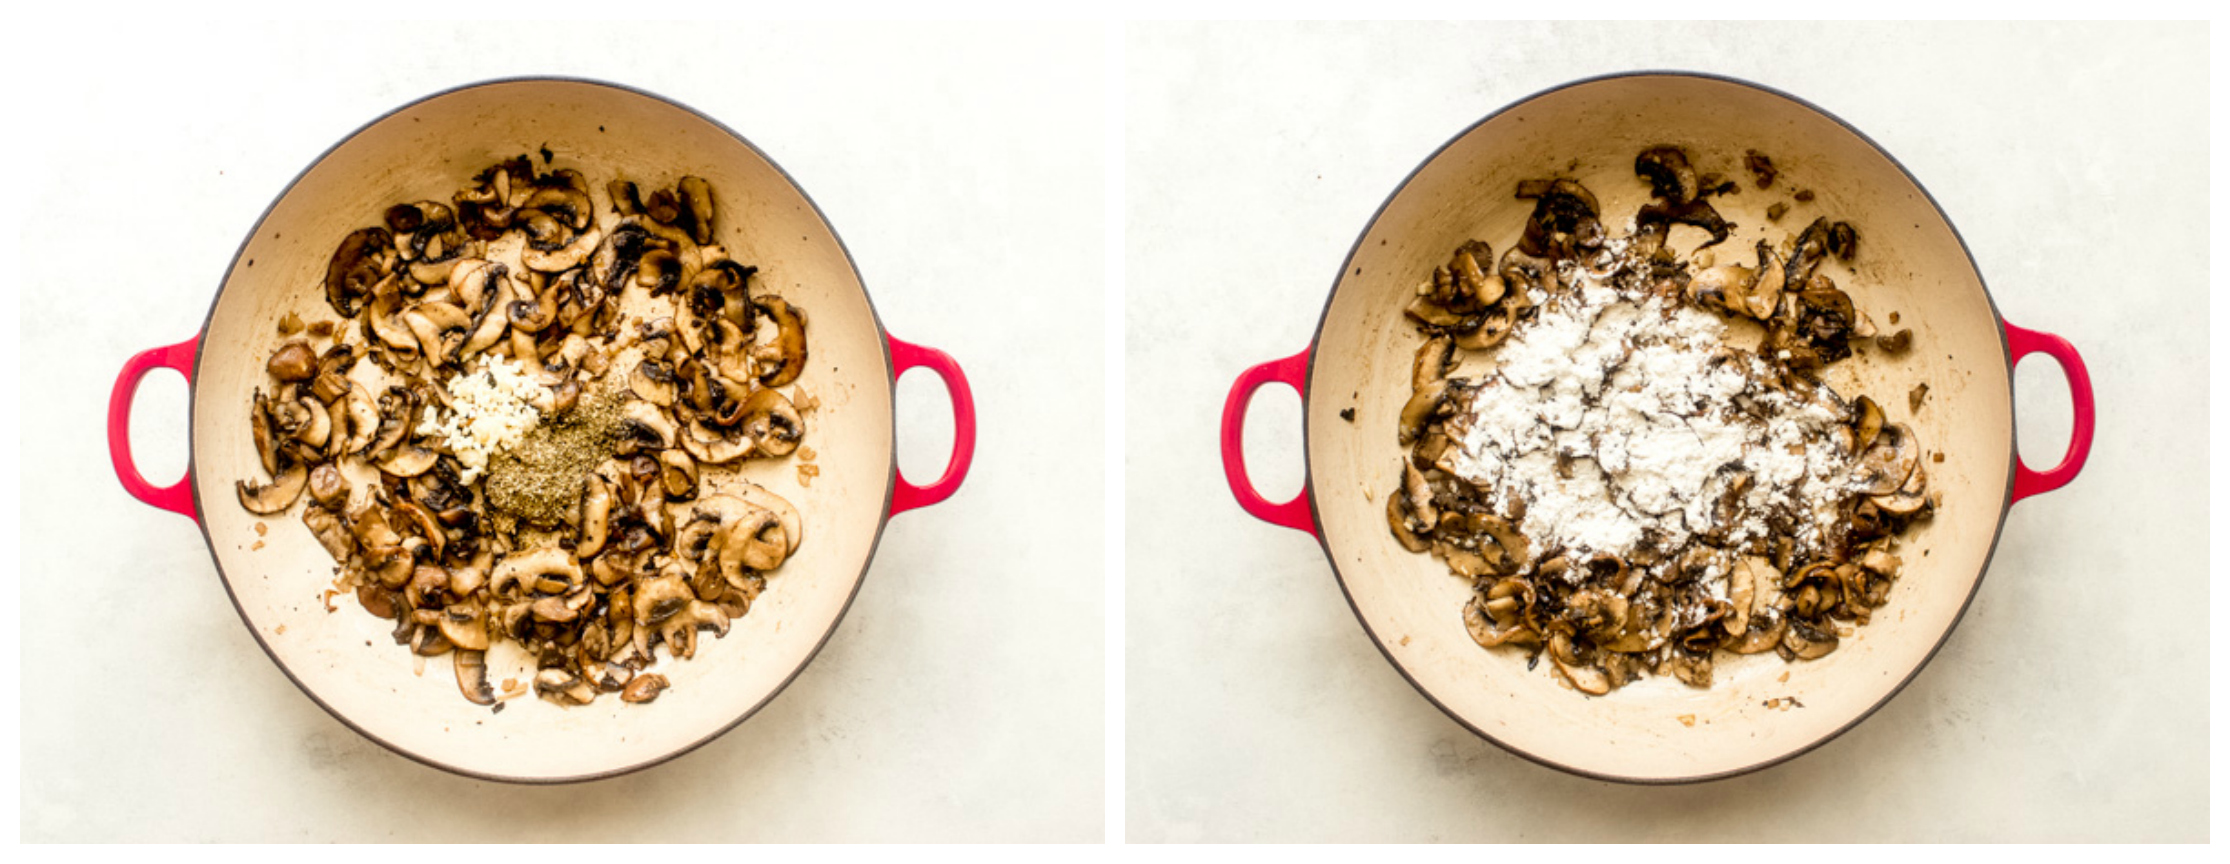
<point>962,696</point>
<point>2070,704</point>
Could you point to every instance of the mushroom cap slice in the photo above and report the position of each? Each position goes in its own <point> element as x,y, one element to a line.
<point>472,675</point>
<point>771,422</point>
<point>788,354</point>
<point>277,495</point>
<point>409,461</point>
<point>365,257</point>
<point>793,527</point>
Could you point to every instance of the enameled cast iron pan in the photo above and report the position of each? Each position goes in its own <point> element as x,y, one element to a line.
<point>345,660</point>
<point>1911,261</point>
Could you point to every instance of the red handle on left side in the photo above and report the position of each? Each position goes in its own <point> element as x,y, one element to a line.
<point>175,498</point>
<point>903,356</point>
<point>2027,482</point>
<point>1293,372</point>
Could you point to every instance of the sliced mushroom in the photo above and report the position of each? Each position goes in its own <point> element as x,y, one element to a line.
<point>644,688</point>
<point>320,426</point>
<point>472,675</point>
<point>363,419</point>
<point>695,216</point>
<point>441,330</point>
<point>680,631</point>
<point>772,423</point>
<point>653,382</point>
<point>560,258</point>
<point>677,474</point>
<point>788,351</point>
<point>409,461</point>
<point>596,514</point>
<point>564,687</point>
<point>364,258</point>
<point>1420,409</point>
<point>1805,642</point>
<point>266,437</point>
<point>1884,465</point>
<point>793,528</point>
<point>276,496</point>
<point>525,570</point>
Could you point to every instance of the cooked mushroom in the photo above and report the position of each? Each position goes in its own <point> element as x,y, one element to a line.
<point>680,631</point>
<point>293,362</point>
<point>788,351</point>
<point>276,496</point>
<point>644,688</point>
<point>1420,409</point>
<point>677,474</point>
<point>409,462</point>
<point>1669,176</point>
<point>772,423</point>
<point>472,676</point>
<point>266,438</point>
<point>653,382</point>
<point>363,259</point>
<point>596,513</point>
<point>527,571</point>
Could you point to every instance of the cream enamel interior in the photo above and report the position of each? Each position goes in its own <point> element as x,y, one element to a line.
<point>1909,261</point>
<point>345,658</point>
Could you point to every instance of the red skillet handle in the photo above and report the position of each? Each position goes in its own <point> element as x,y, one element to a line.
<point>2025,342</point>
<point>175,498</point>
<point>904,356</point>
<point>1292,372</point>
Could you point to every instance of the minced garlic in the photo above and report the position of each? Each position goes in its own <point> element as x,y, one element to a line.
<point>491,408</point>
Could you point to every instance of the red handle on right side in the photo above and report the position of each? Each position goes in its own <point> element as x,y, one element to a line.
<point>175,498</point>
<point>2023,343</point>
<point>1292,372</point>
<point>903,356</point>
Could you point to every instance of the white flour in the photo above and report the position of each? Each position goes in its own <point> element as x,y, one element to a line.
<point>1641,403</point>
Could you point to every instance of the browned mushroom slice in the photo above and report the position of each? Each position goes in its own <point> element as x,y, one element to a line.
<point>1884,465</point>
<point>559,257</point>
<point>364,258</point>
<point>1764,633</point>
<point>326,526</point>
<point>472,676</point>
<point>1493,327</point>
<point>1485,630</point>
<point>1421,408</point>
<point>1398,517</point>
<point>1896,343</point>
<point>1811,249</point>
<point>1434,359</point>
<point>529,571</point>
<point>788,351</point>
<point>564,687</point>
<point>441,330</point>
<point>596,517</point>
<point>1583,676</point>
<point>320,426</point>
<point>398,412</point>
<point>293,362</point>
<point>266,438</point>
<point>1867,420</point>
<point>1473,279</point>
<point>409,461</point>
<point>680,631</point>
<point>1723,289</point>
<point>1669,174</point>
<point>653,382</point>
<point>1763,296</point>
<point>1806,642</point>
<point>772,423</point>
<point>644,688</point>
<point>695,214</point>
<point>276,496</point>
<point>793,527</point>
<point>1692,669</point>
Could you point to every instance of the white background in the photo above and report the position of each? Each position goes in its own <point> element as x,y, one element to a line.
<point>2072,701</point>
<point>960,699</point>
